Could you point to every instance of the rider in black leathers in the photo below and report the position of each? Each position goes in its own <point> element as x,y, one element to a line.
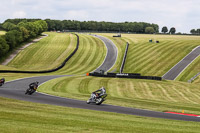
<point>2,81</point>
<point>34,85</point>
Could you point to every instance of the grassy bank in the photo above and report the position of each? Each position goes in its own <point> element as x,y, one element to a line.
<point>21,117</point>
<point>143,57</point>
<point>46,54</point>
<point>146,94</point>
<point>90,55</point>
<point>154,58</point>
<point>191,71</point>
<point>51,51</point>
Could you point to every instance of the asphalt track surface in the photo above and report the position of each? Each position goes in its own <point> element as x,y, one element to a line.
<point>111,56</point>
<point>173,73</point>
<point>16,90</point>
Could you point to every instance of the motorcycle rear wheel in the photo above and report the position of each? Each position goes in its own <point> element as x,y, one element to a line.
<point>99,101</point>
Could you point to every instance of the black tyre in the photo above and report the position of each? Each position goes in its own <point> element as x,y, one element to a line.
<point>88,102</point>
<point>99,101</point>
<point>31,92</point>
<point>27,91</point>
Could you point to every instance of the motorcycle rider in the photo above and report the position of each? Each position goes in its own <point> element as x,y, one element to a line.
<point>2,80</point>
<point>34,85</point>
<point>101,91</point>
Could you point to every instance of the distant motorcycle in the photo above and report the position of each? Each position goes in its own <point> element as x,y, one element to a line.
<point>2,81</point>
<point>32,88</point>
<point>30,91</point>
<point>98,100</point>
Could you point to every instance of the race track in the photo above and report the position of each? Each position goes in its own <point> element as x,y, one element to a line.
<point>173,73</point>
<point>111,56</point>
<point>16,90</point>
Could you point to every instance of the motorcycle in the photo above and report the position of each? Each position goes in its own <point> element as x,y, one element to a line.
<point>2,81</point>
<point>31,90</point>
<point>98,100</point>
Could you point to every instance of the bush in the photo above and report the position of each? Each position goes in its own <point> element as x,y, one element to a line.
<point>149,30</point>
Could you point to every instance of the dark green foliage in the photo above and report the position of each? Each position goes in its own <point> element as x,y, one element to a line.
<point>193,31</point>
<point>164,29</point>
<point>1,28</point>
<point>8,26</point>
<point>172,30</point>
<point>4,47</point>
<point>13,38</point>
<point>149,30</point>
<point>16,21</point>
<point>65,25</point>
<point>19,31</point>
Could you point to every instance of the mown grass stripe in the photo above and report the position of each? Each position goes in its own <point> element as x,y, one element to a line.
<point>53,45</point>
<point>74,63</point>
<point>182,95</point>
<point>84,56</point>
<point>141,52</point>
<point>87,58</point>
<point>83,86</point>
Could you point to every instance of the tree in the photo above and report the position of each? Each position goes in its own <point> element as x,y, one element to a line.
<point>11,39</point>
<point>156,27</point>
<point>25,33</point>
<point>149,30</point>
<point>172,30</point>
<point>4,47</point>
<point>1,28</point>
<point>14,38</point>
<point>164,29</point>
<point>193,31</point>
<point>198,31</point>
<point>8,26</point>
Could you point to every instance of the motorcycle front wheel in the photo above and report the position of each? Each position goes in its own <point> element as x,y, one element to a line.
<point>88,102</point>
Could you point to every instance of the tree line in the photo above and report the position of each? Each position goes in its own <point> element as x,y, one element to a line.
<point>19,32</point>
<point>171,31</point>
<point>136,27</point>
<point>69,25</point>
<point>195,31</point>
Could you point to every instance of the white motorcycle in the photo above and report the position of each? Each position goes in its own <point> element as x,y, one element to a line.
<point>99,98</point>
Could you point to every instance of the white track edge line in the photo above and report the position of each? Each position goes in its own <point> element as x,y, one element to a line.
<point>180,60</point>
<point>107,52</point>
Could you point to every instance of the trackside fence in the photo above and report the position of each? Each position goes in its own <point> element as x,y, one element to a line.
<point>124,58</point>
<point>125,75</point>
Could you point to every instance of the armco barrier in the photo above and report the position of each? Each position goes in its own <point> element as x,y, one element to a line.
<point>47,71</point>
<point>125,75</point>
<point>124,58</point>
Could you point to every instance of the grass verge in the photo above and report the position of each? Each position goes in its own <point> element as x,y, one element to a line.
<point>190,71</point>
<point>144,94</point>
<point>21,117</point>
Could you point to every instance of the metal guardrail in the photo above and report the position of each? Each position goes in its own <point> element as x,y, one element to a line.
<point>124,58</point>
<point>190,81</point>
<point>124,75</point>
